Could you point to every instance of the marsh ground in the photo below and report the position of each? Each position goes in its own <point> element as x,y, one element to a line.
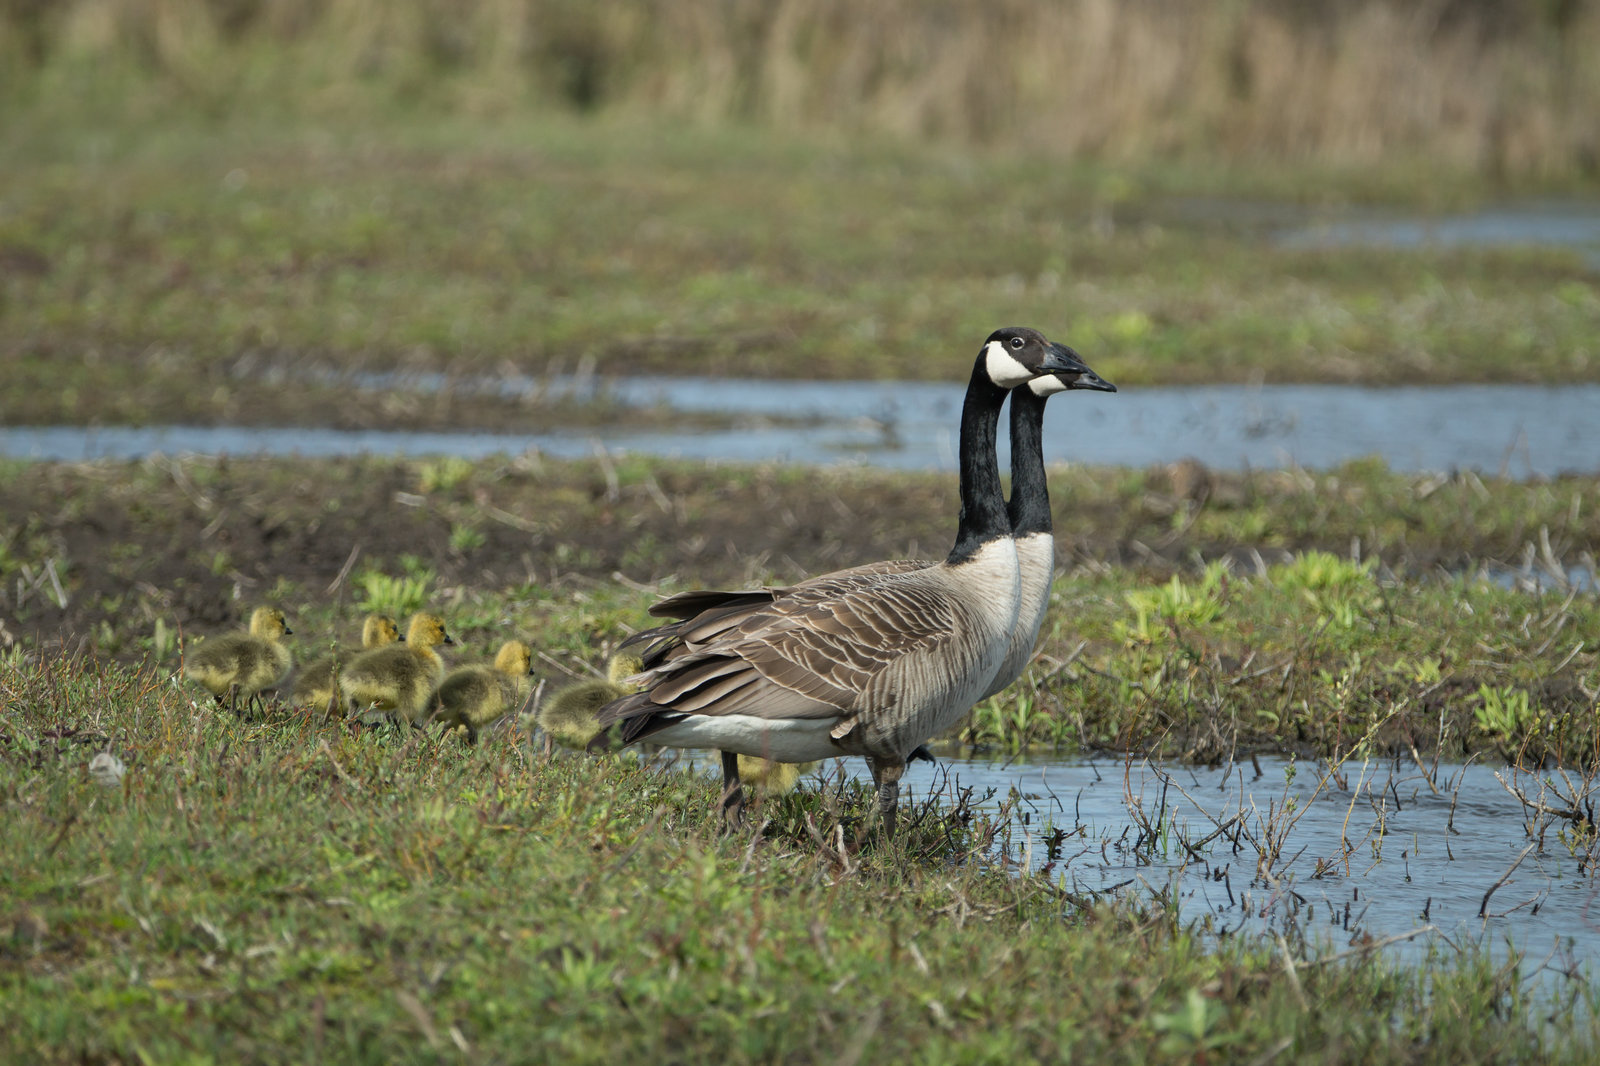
<point>192,271</point>
<point>282,890</point>
<point>1197,611</point>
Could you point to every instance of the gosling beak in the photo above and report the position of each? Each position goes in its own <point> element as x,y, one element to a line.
<point>448,639</point>
<point>288,632</point>
<point>1069,366</point>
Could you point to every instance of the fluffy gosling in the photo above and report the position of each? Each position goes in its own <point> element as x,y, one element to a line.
<point>398,679</point>
<point>772,778</point>
<point>569,717</point>
<point>317,685</point>
<point>246,663</point>
<point>474,697</point>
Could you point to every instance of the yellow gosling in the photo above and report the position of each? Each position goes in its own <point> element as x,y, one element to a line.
<point>772,778</point>
<point>243,663</point>
<point>569,717</point>
<point>398,679</point>
<point>475,697</point>
<point>317,685</point>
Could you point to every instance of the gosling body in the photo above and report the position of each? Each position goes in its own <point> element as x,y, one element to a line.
<point>397,680</point>
<point>571,716</point>
<point>317,684</point>
<point>475,697</point>
<point>236,664</point>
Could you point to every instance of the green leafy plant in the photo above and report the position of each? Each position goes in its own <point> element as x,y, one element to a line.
<point>1339,590</point>
<point>382,593</point>
<point>1506,711</point>
<point>1192,1028</point>
<point>1182,603</point>
<point>443,474</point>
<point>466,538</point>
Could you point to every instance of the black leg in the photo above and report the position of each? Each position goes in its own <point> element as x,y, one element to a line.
<point>886,775</point>
<point>922,754</point>
<point>732,791</point>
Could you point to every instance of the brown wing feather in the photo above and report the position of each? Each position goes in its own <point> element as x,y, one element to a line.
<point>810,654</point>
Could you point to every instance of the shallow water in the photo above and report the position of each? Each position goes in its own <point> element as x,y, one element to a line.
<point>1535,224</point>
<point>1518,430</point>
<point>1376,852</point>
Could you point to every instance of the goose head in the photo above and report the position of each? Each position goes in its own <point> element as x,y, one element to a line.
<point>1079,376</point>
<point>1017,354</point>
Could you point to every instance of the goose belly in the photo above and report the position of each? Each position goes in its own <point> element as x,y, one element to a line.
<point>1036,562</point>
<point>782,740</point>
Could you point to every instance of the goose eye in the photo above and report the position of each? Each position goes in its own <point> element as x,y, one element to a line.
<point>1017,342</point>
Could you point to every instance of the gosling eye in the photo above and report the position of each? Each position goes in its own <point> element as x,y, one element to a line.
<point>1017,343</point>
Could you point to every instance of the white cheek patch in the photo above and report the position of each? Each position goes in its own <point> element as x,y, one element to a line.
<point>1048,385</point>
<point>1002,368</point>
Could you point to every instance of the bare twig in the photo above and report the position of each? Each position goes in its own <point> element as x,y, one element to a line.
<point>1294,978</point>
<point>1368,948</point>
<point>1484,906</point>
<point>344,571</point>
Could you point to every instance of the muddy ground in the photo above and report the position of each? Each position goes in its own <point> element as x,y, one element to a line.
<point>188,540</point>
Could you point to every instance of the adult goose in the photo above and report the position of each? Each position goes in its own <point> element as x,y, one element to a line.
<point>870,661</point>
<point>1029,510</point>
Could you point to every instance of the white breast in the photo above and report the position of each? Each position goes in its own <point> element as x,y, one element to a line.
<point>1036,562</point>
<point>991,590</point>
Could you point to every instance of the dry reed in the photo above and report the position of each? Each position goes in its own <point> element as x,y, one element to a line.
<point>1504,89</point>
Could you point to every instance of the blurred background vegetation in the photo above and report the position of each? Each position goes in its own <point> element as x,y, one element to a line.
<point>229,210</point>
<point>1505,89</point>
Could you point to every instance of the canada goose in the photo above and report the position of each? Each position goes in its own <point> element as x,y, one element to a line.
<point>871,661</point>
<point>398,679</point>
<point>1029,510</point>
<point>1031,528</point>
<point>476,696</point>
<point>245,662</point>
<point>317,685</point>
<point>570,717</point>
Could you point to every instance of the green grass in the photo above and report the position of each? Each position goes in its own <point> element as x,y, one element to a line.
<point>186,270</point>
<point>268,893</point>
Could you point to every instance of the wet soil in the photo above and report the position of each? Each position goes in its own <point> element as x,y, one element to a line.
<point>187,539</point>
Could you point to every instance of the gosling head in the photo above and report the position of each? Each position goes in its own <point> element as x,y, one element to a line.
<point>378,630</point>
<point>269,622</point>
<point>514,658</point>
<point>1017,354</point>
<point>427,630</point>
<point>623,666</point>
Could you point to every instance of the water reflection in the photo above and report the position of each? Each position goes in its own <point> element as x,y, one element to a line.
<point>1520,431</point>
<point>1370,852</point>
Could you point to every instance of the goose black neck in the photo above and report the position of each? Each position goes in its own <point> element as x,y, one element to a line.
<point>983,505</point>
<point>1029,506</point>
